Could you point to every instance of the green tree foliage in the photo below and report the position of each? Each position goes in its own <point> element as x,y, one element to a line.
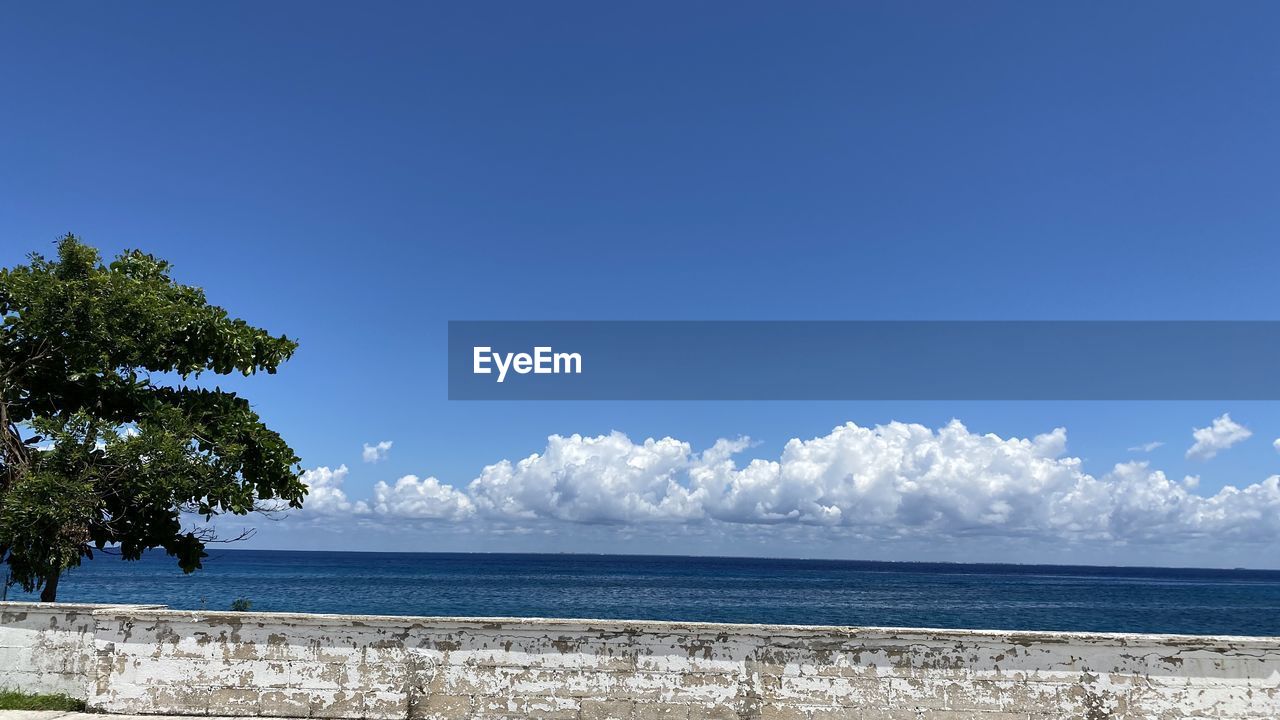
<point>96,449</point>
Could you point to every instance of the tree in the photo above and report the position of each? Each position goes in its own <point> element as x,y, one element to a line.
<point>105,441</point>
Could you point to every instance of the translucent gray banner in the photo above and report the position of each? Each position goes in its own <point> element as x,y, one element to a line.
<point>872,360</point>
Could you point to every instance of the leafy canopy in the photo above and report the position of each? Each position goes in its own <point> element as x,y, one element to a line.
<point>96,451</point>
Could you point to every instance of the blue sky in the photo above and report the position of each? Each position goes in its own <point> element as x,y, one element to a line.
<point>356,176</point>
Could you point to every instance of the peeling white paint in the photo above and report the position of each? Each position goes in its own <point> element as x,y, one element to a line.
<point>147,659</point>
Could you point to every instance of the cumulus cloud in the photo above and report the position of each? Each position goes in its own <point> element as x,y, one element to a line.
<point>421,499</point>
<point>325,493</point>
<point>605,479</point>
<point>891,479</point>
<point>889,482</point>
<point>409,497</point>
<point>1146,447</point>
<point>1276,444</point>
<point>1222,434</point>
<point>376,453</point>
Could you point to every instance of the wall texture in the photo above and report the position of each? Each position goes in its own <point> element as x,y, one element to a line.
<point>145,659</point>
<point>49,648</point>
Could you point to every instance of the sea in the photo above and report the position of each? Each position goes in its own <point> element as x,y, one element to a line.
<point>712,589</point>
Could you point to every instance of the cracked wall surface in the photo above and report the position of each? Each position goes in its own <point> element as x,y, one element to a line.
<point>49,647</point>
<point>147,659</point>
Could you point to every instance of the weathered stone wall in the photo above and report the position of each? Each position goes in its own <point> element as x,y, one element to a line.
<point>152,660</point>
<point>48,648</point>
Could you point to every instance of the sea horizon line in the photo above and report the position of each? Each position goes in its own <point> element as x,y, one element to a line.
<point>778,558</point>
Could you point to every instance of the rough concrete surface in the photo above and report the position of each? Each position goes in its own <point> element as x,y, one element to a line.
<point>151,660</point>
<point>47,715</point>
<point>73,715</point>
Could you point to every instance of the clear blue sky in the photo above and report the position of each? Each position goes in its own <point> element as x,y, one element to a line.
<point>357,175</point>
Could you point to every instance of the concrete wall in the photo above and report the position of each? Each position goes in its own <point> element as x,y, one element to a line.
<point>48,648</point>
<point>152,660</point>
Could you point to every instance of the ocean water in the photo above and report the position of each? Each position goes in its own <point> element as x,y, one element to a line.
<point>818,592</point>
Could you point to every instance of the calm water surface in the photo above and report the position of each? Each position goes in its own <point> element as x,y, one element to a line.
<point>822,592</point>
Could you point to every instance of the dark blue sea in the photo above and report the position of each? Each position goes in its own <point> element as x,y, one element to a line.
<point>821,592</point>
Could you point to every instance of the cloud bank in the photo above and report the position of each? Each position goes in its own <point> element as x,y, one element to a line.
<point>889,482</point>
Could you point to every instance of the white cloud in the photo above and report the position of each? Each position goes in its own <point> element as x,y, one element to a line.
<point>376,453</point>
<point>895,480</point>
<point>1146,447</point>
<point>325,493</point>
<point>605,479</point>
<point>890,482</point>
<point>1276,444</point>
<point>421,499</point>
<point>1222,434</point>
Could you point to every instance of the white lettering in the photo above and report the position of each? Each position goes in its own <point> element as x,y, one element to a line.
<point>572,363</point>
<point>523,363</point>
<point>479,361</point>
<point>541,356</point>
<point>498,359</point>
<point>543,361</point>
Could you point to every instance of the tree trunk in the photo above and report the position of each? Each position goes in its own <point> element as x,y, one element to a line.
<point>50,591</point>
